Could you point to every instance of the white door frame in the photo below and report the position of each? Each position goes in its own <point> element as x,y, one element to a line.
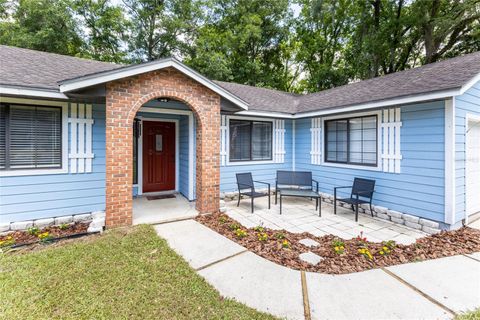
<point>191,148</point>
<point>140,153</point>
<point>469,118</point>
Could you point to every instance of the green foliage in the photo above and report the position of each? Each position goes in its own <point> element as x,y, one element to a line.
<point>290,45</point>
<point>33,231</point>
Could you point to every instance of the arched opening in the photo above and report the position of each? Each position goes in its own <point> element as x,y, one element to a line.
<point>147,95</point>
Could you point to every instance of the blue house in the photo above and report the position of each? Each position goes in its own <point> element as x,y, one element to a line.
<point>79,136</point>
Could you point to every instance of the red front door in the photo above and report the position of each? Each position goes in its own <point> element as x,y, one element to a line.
<point>158,156</point>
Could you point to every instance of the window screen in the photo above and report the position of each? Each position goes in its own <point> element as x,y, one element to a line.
<point>31,137</point>
<point>250,140</point>
<point>352,141</point>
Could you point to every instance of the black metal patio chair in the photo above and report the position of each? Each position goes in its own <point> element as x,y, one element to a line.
<point>246,186</point>
<point>362,192</point>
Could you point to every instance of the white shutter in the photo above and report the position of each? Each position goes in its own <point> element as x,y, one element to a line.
<point>391,155</point>
<point>223,140</point>
<point>279,141</point>
<point>81,138</point>
<point>316,141</point>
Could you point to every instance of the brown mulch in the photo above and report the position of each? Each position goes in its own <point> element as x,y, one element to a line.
<point>444,244</point>
<point>23,237</point>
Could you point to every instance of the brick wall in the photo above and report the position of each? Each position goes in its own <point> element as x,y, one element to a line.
<point>123,99</point>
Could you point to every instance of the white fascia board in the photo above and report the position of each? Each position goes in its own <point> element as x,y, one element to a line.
<point>112,75</point>
<point>266,114</point>
<point>359,107</point>
<point>470,84</point>
<point>384,103</point>
<point>30,92</point>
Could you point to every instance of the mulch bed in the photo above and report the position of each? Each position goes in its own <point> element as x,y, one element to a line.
<point>446,243</point>
<point>24,237</point>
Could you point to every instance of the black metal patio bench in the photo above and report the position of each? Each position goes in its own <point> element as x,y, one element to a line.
<point>297,184</point>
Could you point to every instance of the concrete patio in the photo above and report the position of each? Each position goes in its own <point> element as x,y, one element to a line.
<point>162,210</point>
<point>299,215</point>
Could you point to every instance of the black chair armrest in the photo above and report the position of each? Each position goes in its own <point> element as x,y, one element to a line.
<point>316,184</point>
<point>335,188</point>
<point>268,184</point>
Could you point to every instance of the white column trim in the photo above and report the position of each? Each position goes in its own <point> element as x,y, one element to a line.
<point>450,161</point>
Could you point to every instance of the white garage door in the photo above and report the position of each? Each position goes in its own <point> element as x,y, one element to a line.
<point>473,167</point>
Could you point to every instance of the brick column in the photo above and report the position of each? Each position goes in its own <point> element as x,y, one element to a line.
<point>123,99</point>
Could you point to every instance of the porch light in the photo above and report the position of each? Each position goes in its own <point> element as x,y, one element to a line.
<point>163,99</point>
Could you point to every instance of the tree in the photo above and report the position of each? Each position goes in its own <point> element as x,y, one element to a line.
<point>323,28</point>
<point>161,28</point>
<point>104,29</point>
<point>245,41</point>
<point>446,25</point>
<point>46,25</point>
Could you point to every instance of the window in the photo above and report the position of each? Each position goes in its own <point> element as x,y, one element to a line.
<point>30,137</point>
<point>250,140</point>
<point>351,141</point>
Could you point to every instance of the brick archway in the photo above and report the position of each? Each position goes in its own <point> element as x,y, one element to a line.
<point>123,99</point>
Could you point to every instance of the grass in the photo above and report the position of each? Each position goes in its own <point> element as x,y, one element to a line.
<point>123,274</point>
<point>473,315</point>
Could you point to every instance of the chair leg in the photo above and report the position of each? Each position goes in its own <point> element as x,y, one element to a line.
<point>316,204</point>
<point>280,204</point>
<point>276,193</point>
<point>334,206</point>
<point>238,202</point>
<point>356,212</point>
<point>269,200</point>
<point>371,211</point>
<point>319,206</point>
<point>252,203</point>
<point>353,208</point>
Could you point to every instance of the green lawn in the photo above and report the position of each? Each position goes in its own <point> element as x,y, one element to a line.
<point>123,274</point>
<point>474,315</point>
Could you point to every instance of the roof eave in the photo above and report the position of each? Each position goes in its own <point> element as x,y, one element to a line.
<point>115,74</point>
<point>25,91</point>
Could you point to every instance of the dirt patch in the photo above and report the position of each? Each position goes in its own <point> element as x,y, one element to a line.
<point>341,255</point>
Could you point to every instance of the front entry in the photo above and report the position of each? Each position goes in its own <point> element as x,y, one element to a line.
<point>158,156</point>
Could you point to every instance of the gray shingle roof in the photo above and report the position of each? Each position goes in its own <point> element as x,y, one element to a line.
<point>29,68</point>
<point>37,69</point>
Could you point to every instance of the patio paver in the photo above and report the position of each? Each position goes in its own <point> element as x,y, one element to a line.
<point>197,244</point>
<point>299,216</point>
<point>370,294</point>
<point>452,281</point>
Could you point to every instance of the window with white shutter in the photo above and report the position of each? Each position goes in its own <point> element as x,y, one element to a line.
<point>30,137</point>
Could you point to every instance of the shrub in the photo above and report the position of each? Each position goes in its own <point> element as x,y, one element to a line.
<point>45,237</point>
<point>262,236</point>
<point>64,226</point>
<point>259,229</point>
<point>240,233</point>
<point>33,231</point>
<point>366,253</point>
<point>234,226</point>
<point>7,242</point>
<point>338,246</point>
<point>279,235</point>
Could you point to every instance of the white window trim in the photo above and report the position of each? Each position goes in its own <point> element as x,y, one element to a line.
<point>249,162</point>
<point>378,167</point>
<point>34,172</point>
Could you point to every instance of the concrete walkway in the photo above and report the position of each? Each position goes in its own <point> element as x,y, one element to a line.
<point>434,289</point>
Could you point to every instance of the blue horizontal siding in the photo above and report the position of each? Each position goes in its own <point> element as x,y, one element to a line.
<point>419,188</point>
<point>467,103</point>
<point>40,196</point>
<point>260,172</point>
